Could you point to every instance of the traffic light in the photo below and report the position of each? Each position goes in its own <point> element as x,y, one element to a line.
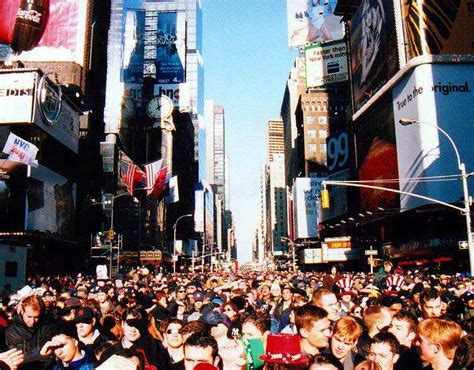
<point>110,234</point>
<point>325,198</point>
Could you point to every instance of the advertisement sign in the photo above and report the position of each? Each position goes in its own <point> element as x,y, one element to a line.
<point>377,155</point>
<point>311,255</point>
<point>311,21</point>
<point>306,194</point>
<point>20,150</point>
<point>16,97</point>
<point>178,93</point>
<point>199,209</point>
<point>438,27</point>
<point>438,95</point>
<point>51,202</point>
<point>326,63</point>
<point>64,38</point>
<point>165,52</point>
<point>374,53</point>
<point>340,254</point>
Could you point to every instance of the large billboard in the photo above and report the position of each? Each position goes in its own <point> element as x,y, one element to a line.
<point>311,21</point>
<point>374,49</point>
<point>64,38</point>
<point>377,156</point>
<point>51,202</point>
<point>326,63</point>
<point>306,195</point>
<point>439,95</point>
<point>438,27</point>
<point>165,56</point>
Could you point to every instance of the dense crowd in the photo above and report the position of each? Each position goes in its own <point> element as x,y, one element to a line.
<point>393,319</point>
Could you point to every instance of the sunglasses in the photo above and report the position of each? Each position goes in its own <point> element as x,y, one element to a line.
<point>228,310</point>
<point>172,331</point>
<point>181,291</point>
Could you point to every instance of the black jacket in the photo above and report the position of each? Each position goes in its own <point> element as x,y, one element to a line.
<point>29,340</point>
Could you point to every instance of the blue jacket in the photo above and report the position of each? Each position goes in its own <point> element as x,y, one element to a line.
<point>85,363</point>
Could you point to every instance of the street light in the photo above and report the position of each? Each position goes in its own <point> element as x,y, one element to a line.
<point>174,239</point>
<point>467,202</point>
<point>111,201</point>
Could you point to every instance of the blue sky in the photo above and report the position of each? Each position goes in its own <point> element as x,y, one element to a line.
<point>246,63</point>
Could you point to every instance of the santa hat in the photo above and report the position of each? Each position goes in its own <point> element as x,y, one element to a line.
<point>345,286</point>
<point>394,284</point>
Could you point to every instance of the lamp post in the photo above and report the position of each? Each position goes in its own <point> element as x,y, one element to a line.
<point>174,239</point>
<point>467,200</point>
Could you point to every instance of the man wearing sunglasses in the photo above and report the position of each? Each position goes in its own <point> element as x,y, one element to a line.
<point>174,343</point>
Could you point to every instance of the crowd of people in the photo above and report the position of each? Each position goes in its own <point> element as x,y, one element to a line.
<point>393,319</point>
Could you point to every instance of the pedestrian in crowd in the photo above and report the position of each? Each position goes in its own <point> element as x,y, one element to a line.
<point>330,278</point>
<point>430,304</point>
<point>346,333</point>
<point>173,342</point>
<point>87,331</point>
<point>64,345</point>
<point>376,319</point>
<point>403,327</point>
<point>30,329</point>
<point>327,300</point>
<point>384,350</point>
<point>200,348</point>
<point>314,329</point>
<point>438,340</point>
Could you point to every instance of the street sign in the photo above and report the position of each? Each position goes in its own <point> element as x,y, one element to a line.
<point>371,252</point>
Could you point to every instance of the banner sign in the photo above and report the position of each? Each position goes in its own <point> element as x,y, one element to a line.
<point>16,97</point>
<point>326,63</point>
<point>20,150</point>
<point>165,52</point>
<point>306,193</point>
<point>374,50</point>
<point>435,95</point>
<point>311,21</point>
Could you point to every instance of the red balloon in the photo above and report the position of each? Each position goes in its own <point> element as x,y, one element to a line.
<point>8,10</point>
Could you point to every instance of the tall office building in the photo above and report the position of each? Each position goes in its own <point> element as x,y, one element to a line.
<point>215,146</point>
<point>275,138</point>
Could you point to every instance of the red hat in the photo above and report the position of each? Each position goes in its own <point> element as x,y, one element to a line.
<point>284,349</point>
<point>345,286</point>
<point>205,366</point>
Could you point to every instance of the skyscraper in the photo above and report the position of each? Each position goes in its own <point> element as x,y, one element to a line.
<point>275,138</point>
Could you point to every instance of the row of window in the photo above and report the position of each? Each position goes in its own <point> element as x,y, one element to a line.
<point>312,134</point>
<point>314,147</point>
<point>317,119</point>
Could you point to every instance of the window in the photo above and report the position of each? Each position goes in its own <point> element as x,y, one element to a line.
<point>312,134</point>
<point>11,269</point>
<point>312,147</point>
<point>323,134</point>
<point>322,147</point>
<point>322,119</point>
<point>310,119</point>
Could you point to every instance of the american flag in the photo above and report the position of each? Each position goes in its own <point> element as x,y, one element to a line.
<point>129,172</point>
<point>156,177</point>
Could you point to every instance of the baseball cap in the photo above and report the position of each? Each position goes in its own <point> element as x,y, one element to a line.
<point>214,318</point>
<point>84,315</point>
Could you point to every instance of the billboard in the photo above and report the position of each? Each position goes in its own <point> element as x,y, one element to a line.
<point>133,46</point>
<point>64,38</point>
<point>438,27</point>
<point>306,194</point>
<point>374,49</point>
<point>51,202</point>
<point>311,21</point>
<point>199,208</point>
<point>440,95</point>
<point>17,92</point>
<point>377,155</point>
<point>165,47</point>
<point>326,63</point>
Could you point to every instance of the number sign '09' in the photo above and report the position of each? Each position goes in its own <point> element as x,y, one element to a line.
<point>338,152</point>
